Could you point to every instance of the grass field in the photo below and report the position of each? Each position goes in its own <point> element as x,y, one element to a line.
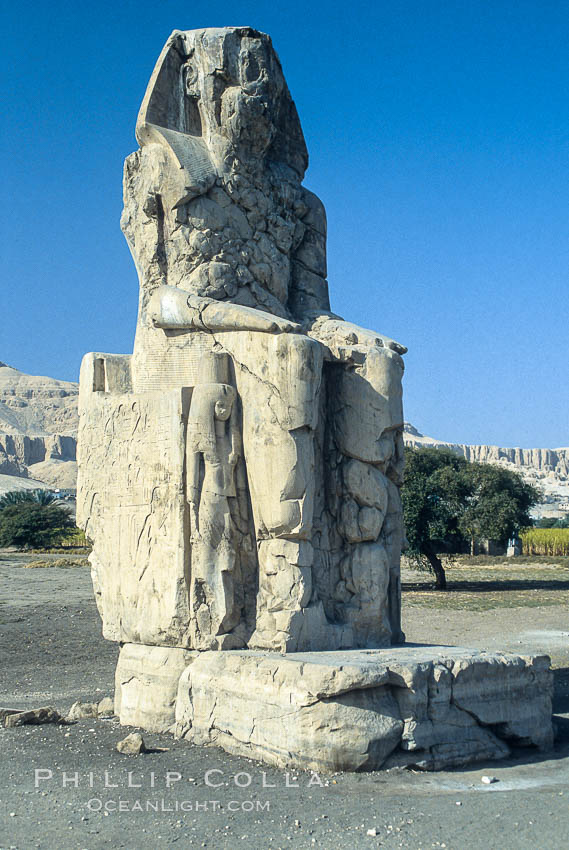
<point>482,583</point>
<point>546,541</point>
<point>64,563</point>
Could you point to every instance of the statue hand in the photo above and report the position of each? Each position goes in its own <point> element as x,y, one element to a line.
<point>223,315</point>
<point>336,332</point>
<point>284,326</point>
<point>371,338</point>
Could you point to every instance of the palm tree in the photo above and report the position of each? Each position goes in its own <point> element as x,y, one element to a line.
<point>16,497</point>
<point>44,497</point>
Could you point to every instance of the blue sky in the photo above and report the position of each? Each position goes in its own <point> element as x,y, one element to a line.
<point>439,142</point>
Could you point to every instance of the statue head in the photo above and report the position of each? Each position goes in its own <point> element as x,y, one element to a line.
<point>213,398</point>
<point>226,86</point>
<point>209,402</point>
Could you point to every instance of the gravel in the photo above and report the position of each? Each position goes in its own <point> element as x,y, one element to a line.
<point>67,787</point>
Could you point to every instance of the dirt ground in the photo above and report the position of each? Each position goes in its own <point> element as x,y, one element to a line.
<point>518,605</point>
<point>85,796</point>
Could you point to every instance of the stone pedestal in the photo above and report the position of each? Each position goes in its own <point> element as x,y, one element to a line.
<point>424,706</point>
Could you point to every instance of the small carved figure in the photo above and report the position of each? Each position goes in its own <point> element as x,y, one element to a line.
<point>212,450</point>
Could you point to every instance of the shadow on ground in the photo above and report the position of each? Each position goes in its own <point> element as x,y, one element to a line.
<point>491,585</point>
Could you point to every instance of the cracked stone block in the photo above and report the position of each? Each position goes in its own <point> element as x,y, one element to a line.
<point>146,682</point>
<point>364,709</point>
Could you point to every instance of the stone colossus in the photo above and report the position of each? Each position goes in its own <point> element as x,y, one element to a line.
<point>239,473</point>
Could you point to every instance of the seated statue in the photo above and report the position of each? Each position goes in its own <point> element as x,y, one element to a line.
<point>240,472</point>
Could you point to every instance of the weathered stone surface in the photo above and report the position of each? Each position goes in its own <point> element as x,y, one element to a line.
<point>80,710</point>
<point>6,712</point>
<point>146,682</point>
<point>83,710</point>
<point>132,745</point>
<point>432,707</point>
<point>33,717</point>
<point>106,707</point>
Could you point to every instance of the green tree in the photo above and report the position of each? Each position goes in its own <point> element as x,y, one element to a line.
<point>552,522</point>
<point>546,522</point>
<point>498,505</point>
<point>449,503</point>
<point>29,524</point>
<point>434,494</point>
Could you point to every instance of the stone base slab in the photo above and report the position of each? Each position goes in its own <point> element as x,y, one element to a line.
<point>146,682</point>
<point>426,706</point>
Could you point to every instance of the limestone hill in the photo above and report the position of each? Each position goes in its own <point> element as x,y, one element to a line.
<point>547,469</point>
<point>38,427</point>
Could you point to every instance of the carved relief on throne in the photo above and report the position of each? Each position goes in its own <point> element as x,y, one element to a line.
<point>222,550</point>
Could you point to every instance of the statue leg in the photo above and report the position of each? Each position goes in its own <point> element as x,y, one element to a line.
<point>365,420</point>
<point>278,379</point>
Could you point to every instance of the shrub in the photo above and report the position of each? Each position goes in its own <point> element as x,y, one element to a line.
<point>29,524</point>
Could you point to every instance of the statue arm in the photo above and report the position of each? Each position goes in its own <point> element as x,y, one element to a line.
<point>235,433</point>
<point>173,308</point>
<point>308,291</point>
